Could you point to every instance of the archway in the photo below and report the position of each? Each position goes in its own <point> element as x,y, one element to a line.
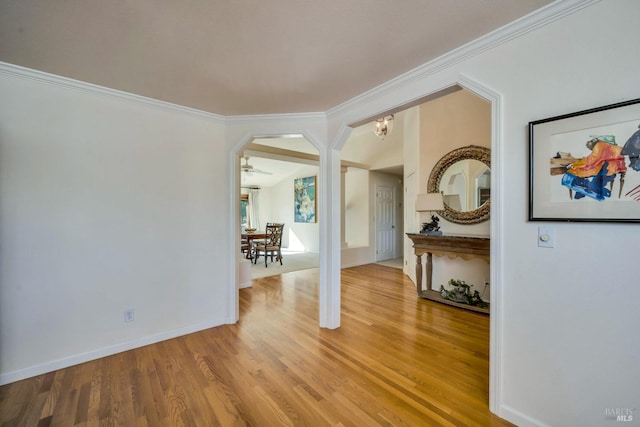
<point>495,225</point>
<point>275,160</point>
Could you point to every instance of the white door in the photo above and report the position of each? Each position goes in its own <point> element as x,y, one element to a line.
<point>385,223</point>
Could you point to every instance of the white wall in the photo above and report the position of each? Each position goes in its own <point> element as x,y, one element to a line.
<point>107,204</point>
<point>356,207</point>
<point>570,349</point>
<point>297,236</point>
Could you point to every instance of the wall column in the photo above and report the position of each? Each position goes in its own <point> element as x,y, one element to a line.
<point>343,241</point>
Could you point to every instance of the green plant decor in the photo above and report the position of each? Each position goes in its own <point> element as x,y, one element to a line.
<point>461,293</point>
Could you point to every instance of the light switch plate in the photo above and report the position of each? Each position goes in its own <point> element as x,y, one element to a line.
<point>546,237</point>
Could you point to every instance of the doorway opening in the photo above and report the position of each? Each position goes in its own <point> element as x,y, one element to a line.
<point>269,168</point>
<point>423,150</point>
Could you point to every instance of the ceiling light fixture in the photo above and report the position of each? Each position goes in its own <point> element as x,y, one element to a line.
<point>384,125</point>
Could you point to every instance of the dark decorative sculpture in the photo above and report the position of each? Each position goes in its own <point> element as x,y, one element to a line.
<point>431,228</point>
<point>461,293</point>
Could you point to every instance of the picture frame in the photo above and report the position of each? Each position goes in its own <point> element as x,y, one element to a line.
<point>585,166</point>
<point>304,199</point>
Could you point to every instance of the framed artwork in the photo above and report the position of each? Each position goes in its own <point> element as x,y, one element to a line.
<point>304,199</point>
<point>585,166</point>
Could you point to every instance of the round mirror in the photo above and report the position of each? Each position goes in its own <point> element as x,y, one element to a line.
<point>463,176</point>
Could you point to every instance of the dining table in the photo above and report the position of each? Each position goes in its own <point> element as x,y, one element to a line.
<point>254,235</point>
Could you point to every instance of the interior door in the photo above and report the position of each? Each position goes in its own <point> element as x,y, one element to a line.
<point>385,223</point>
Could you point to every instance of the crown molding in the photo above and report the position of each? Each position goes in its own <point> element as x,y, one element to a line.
<point>67,83</point>
<point>17,71</point>
<point>276,117</point>
<point>539,18</point>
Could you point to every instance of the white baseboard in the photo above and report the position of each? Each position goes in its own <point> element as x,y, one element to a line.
<point>76,359</point>
<point>518,418</point>
<point>245,274</point>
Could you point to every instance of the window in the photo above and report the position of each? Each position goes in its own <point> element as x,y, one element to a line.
<point>244,211</point>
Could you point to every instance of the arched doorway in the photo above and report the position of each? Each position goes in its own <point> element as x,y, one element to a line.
<point>412,181</point>
<point>266,169</point>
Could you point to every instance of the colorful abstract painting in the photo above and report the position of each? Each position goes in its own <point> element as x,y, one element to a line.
<point>586,166</point>
<point>304,199</point>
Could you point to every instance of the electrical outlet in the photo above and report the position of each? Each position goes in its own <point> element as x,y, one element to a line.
<point>129,316</point>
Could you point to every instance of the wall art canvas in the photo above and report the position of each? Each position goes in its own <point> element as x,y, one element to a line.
<point>304,199</point>
<point>585,166</point>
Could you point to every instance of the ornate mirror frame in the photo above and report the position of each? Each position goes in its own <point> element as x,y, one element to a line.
<point>472,152</point>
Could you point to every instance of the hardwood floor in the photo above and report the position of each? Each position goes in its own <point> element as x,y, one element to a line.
<point>396,361</point>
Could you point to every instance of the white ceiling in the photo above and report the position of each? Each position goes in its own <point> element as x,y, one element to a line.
<point>279,166</point>
<point>243,57</point>
<point>278,172</point>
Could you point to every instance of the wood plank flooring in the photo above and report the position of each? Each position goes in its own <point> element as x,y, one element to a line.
<point>396,361</point>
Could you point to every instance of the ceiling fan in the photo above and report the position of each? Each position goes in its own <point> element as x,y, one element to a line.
<point>249,170</point>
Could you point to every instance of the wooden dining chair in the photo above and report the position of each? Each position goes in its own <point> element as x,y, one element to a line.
<point>244,248</point>
<point>271,245</point>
